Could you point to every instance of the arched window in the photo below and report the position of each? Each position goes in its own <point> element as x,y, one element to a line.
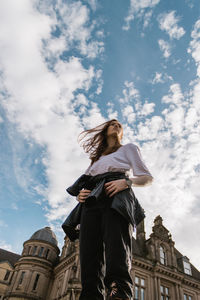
<point>29,249</point>
<point>7,275</point>
<point>47,253</point>
<point>36,282</point>
<point>21,278</point>
<point>34,250</point>
<point>41,251</point>
<point>163,260</point>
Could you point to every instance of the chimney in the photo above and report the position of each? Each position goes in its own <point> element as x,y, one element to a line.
<point>140,236</point>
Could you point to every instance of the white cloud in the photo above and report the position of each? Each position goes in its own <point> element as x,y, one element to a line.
<point>129,114</point>
<point>132,108</point>
<point>148,108</point>
<point>76,28</point>
<point>170,145</point>
<point>93,4</point>
<point>147,18</point>
<point>138,9</point>
<point>161,78</point>
<point>168,22</point>
<point>40,90</point>
<point>93,116</point>
<point>165,48</point>
<point>5,245</point>
<point>129,93</point>
<point>112,114</point>
<point>194,48</point>
<point>175,96</point>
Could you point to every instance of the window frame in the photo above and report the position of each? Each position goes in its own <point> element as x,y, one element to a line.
<point>35,284</point>
<point>187,267</point>
<point>163,294</point>
<point>41,251</point>
<point>7,275</point>
<point>21,278</point>
<point>163,255</point>
<point>187,296</point>
<point>140,287</point>
<point>47,253</point>
<point>34,250</point>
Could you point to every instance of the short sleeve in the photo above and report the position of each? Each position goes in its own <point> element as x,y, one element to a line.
<point>135,160</point>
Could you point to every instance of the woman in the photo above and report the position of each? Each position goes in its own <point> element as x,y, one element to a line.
<point>109,209</point>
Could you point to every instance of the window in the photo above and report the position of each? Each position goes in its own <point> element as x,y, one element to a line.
<point>162,256</point>
<point>164,291</point>
<point>34,250</point>
<point>29,249</point>
<point>47,253</point>
<point>7,275</point>
<point>187,297</point>
<point>21,278</point>
<point>187,268</point>
<point>41,251</point>
<point>36,282</point>
<point>139,288</point>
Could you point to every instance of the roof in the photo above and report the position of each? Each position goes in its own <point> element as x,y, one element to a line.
<point>179,256</point>
<point>11,257</point>
<point>45,234</point>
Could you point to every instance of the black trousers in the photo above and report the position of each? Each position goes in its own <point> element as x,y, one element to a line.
<point>105,251</point>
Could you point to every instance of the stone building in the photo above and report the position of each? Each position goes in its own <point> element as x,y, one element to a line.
<point>159,270</point>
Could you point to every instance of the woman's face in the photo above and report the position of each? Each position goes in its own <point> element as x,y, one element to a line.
<point>115,128</point>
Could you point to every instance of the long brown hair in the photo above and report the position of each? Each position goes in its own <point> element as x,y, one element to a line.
<point>95,145</point>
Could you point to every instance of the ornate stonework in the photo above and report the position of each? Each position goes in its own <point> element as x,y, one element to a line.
<point>159,270</point>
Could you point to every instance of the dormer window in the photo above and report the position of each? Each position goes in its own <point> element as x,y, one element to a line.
<point>162,256</point>
<point>187,267</point>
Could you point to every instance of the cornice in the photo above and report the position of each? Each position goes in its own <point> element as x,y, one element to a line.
<point>142,264</point>
<point>64,263</point>
<point>34,261</point>
<point>42,242</point>
<point>163,270</point>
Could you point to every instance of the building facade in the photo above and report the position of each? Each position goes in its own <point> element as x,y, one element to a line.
<point>159,270</point>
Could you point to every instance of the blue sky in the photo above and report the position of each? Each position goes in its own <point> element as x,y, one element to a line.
<point>70,65</point>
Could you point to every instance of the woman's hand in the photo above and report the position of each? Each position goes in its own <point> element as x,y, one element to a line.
<point>115,186</point>
<point>83,194</point>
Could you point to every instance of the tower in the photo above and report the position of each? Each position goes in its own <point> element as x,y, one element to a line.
<point>32,278</point>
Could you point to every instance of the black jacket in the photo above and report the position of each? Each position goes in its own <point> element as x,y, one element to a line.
<point>124,202</point>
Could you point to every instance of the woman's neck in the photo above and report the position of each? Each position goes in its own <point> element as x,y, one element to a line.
<point>112,142</point>
<point>112,145</point>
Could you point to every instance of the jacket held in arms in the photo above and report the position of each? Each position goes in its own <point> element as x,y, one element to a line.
<point>123,202</point>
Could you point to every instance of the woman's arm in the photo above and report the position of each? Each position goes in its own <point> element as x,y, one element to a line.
<point>113,187</point>
<point>82,196</point>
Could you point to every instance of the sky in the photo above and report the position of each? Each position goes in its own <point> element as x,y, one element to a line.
<point>66,66</point>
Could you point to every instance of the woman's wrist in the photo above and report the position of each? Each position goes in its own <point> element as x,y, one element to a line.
<point>128,182</point>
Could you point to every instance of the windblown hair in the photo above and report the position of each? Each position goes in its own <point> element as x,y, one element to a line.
<point>95,145</point>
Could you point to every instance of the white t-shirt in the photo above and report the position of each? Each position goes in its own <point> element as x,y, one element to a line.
<point>126,159</point>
